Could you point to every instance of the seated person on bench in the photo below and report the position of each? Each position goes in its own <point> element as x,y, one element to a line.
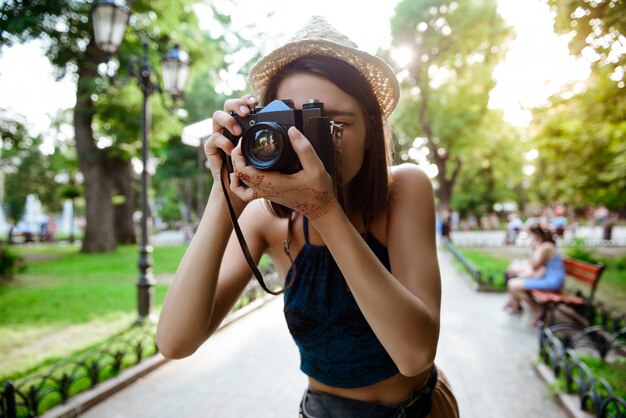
<point>544,270</point>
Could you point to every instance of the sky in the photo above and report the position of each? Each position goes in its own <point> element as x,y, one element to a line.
<point>536,65</point>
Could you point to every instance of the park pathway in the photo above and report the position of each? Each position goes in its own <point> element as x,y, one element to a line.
<point>250,368</point>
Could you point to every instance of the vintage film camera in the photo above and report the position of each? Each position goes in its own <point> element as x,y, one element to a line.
<point>265,143</point>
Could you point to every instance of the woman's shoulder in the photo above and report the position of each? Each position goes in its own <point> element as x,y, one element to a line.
<point>411,196</point>
<point>258,218</point>
<point>548,248</point>
<point>409,180</point>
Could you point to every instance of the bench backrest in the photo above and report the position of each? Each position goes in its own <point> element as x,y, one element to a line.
<point>584,272</point>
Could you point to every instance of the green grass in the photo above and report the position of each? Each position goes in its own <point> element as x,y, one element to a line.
<point>66,301</point>
<point>489,265</point>
<point>72,287</point>
<point>614,373</point>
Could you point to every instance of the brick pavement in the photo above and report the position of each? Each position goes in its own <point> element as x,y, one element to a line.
<point>250,368</point>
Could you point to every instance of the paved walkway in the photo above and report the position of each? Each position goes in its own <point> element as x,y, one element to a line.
<point>250,368</point>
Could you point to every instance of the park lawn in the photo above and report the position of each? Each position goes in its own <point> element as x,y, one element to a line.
<point>66,301</point>
<point>488,264</point>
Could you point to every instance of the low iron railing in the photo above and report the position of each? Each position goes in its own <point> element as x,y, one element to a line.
<point>32,395</point>
<point>473,271</point>
<point>557,349</point>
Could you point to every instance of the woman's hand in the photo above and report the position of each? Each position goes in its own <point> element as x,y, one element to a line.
<point>217,142</point>
<point>309,191</point>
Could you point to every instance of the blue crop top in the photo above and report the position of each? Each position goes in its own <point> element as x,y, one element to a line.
<point>337,345</point>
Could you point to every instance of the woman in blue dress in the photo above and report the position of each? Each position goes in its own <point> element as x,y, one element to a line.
<point>544,270</point>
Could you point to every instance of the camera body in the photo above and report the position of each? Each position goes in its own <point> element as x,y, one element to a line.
<point>265,143</point>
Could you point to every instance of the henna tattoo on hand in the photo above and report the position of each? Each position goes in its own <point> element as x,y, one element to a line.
<point>314,212</point>
<point>253,181</point>
<point>310,202</point>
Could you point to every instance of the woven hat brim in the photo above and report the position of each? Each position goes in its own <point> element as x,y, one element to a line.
<point>378,73</point>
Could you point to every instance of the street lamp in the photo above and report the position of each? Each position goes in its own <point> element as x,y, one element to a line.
<point>110,18</point>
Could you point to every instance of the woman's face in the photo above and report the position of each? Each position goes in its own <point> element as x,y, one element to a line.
<point>339,107</point>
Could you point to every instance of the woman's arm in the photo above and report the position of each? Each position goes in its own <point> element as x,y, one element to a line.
<point>209,279</point>
<point>213,271</point>
<point>541,255</point>
<point>402,307</point>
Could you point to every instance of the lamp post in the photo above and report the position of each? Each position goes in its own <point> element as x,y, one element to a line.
<point>110,18</point>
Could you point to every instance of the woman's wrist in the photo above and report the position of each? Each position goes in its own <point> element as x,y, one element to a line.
<point>326,215</point>
<point>220,194</point>
<point>315,212</point>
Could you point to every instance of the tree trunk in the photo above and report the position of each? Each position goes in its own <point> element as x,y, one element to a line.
<point>124,185</point>
<point>99,232</point>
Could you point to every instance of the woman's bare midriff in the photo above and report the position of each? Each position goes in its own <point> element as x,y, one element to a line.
<point>390,391</point>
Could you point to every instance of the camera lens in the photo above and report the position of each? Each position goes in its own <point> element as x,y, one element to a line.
<point>266,146</point>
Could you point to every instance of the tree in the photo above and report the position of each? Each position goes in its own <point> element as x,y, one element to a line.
<point>176,180</point>
<point>105,120</point>
<point>598,28</point>
<point>455,45</point>
<point>580,134</point>
<point>28,170</point>
<point>582,152</point>
<point>491,173</point>
<point>14,143</point>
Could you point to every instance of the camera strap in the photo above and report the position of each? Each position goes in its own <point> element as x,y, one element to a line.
<point>244,246</point>
<point>336,132</point>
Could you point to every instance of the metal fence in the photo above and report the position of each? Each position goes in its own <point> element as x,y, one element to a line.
<point>558,347</point>
<point>34,394</point>
<point>473,271</point>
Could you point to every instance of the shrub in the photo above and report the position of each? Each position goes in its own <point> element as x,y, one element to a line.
<point>10,264</point>
<point>578,251</point>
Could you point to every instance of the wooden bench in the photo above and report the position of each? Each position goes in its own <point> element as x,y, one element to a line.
<point>581,271</point>
<point>29,237</point>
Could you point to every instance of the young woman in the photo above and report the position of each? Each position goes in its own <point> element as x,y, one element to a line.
<point>544,270</point>
<point>364,305</point>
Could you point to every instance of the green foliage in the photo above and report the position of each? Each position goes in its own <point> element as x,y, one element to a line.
<point>582,151</point>
<point>580,252</point>
<point>177,179</point>
<point>614,373</point>
<point>107,121</point>
<point>597,26</point>
<point>28,171</point>
<point>491,173</point>
<point>580,135</point>
<point>10,264</point>
<point>456,45</point>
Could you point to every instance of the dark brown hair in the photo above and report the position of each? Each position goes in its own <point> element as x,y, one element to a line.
<point>543,233</point>
<point>374,173</point>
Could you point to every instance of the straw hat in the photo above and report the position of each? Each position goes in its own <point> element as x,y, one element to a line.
<point>318,37</point>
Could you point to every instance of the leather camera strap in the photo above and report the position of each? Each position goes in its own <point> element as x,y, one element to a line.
<point>244,246</point>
